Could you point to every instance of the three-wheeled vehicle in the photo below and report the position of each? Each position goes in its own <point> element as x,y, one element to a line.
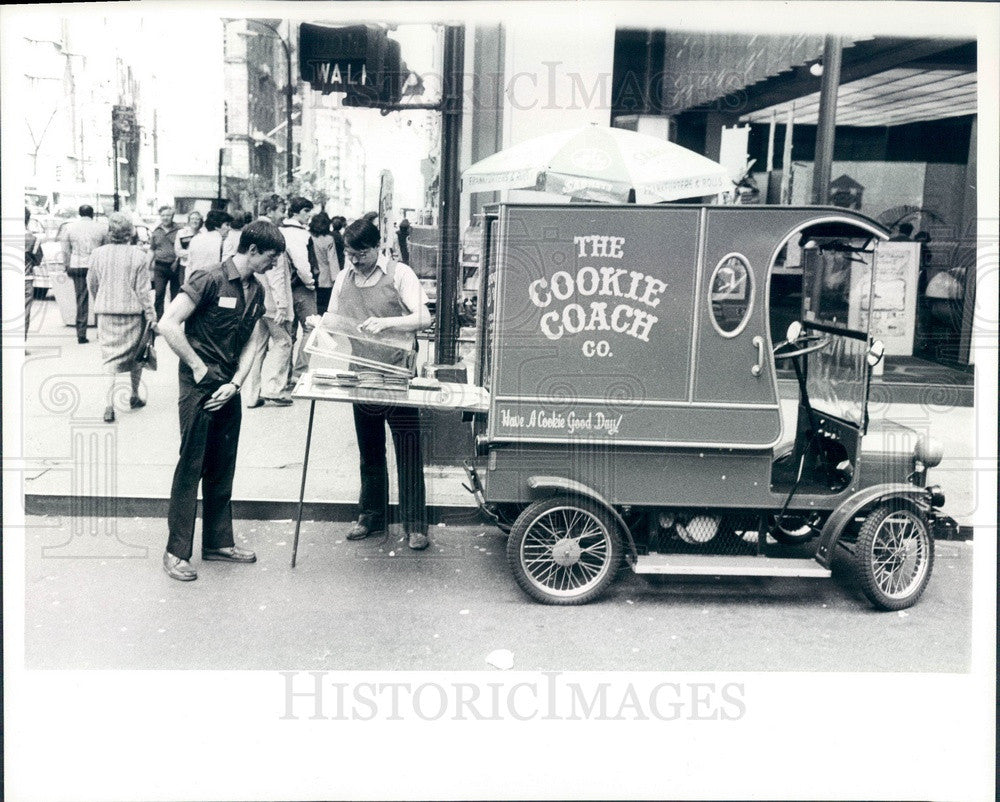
<point>634,409</point>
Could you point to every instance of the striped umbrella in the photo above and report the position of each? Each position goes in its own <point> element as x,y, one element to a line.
<point>600,164</point>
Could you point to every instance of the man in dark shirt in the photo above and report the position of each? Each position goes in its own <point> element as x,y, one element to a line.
<point>164,259</point>
<point>214,326</point>
<point>337,224</point>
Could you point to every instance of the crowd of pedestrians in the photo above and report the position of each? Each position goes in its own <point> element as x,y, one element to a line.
<point>242,287</point>
<point>293,294</point>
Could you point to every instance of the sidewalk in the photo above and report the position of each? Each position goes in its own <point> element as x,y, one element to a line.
<point>71,453</point>
<point>76,462</point>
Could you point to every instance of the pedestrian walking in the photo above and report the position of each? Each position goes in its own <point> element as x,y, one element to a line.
<point>305,271</point>
<point>337,224</point>
<point>166,268</point>
<point>206,248</point>
<point>32,259</point>
<point>272,209</point>
<point>183,240</point>
<point>118,278</point>
<point>214,327</point>
<point>383,294</point>
<point>328,265</point>
<point>260,389</point>
<point>403,238</point>
<point>79,239</point>
<point>231,244</point>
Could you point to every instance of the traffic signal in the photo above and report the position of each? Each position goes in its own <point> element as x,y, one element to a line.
<point>386,88</point>
<point>358,60</point>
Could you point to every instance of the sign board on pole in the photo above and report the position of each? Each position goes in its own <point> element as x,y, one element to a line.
<point>385,208</point>
<point>894,306</point>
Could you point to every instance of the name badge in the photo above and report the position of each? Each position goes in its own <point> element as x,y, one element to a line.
<point>227,303</point>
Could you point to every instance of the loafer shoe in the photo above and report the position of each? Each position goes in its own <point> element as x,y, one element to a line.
<point>360,531</point>
<point>136,403</point>
<point>230,554</point>
<point>177,568</point>
<point>256,404</point>
<point>109,415</point>
<point>278,401</point>
<point>418,541</point>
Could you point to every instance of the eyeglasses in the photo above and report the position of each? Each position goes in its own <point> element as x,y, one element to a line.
<point>352,254</point>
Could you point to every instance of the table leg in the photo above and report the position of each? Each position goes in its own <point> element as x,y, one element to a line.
<point>302,488</point>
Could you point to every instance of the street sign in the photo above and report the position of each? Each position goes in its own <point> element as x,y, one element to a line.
<point>123,123</point>
<point>339,59</point>
<point>385,207</point>
<point>359,61</point>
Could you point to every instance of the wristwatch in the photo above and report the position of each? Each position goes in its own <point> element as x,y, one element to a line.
<point>237,386</point>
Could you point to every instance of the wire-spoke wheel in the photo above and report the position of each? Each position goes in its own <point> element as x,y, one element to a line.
<point>564,551</point>
<point>894,556</point>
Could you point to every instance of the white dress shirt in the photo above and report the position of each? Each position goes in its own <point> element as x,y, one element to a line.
<point>205,251</point>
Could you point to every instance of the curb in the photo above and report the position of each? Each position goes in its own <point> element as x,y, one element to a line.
<point>261,510</point>
<point>247,509</point>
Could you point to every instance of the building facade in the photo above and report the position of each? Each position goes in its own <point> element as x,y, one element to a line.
<point>75,83</point>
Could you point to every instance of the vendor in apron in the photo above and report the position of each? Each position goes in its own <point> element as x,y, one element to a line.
<point>383,295</point>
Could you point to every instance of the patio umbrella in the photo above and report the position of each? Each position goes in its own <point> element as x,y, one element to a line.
<point>600,164</point>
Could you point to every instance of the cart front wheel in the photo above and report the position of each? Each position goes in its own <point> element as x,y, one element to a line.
<point>564,551</point>
<point>894,556</point>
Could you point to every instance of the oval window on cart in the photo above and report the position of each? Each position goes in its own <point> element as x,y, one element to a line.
<point>730,299</point>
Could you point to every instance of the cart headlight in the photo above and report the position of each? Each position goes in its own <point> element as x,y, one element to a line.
<point>928,451</point>
<point>937,496</point>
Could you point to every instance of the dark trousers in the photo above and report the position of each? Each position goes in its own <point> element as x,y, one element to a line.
<point>404,423</point>
<point>208,456</point>
<point>323,299</point>
<point>79,277</point>
<point>164,276</point>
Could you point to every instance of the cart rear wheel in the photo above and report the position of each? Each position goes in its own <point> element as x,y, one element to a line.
<point>564,551</point>
<point>894,556</point>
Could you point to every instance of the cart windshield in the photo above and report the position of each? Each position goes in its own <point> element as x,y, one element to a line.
<point>837,379</point>
<point>836,290</point>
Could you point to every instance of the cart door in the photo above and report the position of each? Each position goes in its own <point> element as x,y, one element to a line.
<point>732,351</point>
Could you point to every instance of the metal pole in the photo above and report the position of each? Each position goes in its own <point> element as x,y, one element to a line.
<point>825,126</point>
<point>446,335</point>
<point>288,107</point>
<point>786,157</point>
<point>114,147</point>
<point>219,195</point>
<point>770,142</point>
<point>302,487</point>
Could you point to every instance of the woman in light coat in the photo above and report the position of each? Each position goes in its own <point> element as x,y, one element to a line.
<point>119,282</point>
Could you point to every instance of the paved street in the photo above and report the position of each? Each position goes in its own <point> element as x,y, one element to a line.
<point>377,605</point>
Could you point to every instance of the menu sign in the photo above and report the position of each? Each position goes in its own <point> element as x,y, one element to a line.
<point>894,306</point>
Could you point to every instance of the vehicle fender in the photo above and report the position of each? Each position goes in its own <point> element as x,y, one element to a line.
<point>845,513</point>
<point>543,486</point>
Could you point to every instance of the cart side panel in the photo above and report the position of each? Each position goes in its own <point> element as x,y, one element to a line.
<point>594,311</point>
<point>644,477</point>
